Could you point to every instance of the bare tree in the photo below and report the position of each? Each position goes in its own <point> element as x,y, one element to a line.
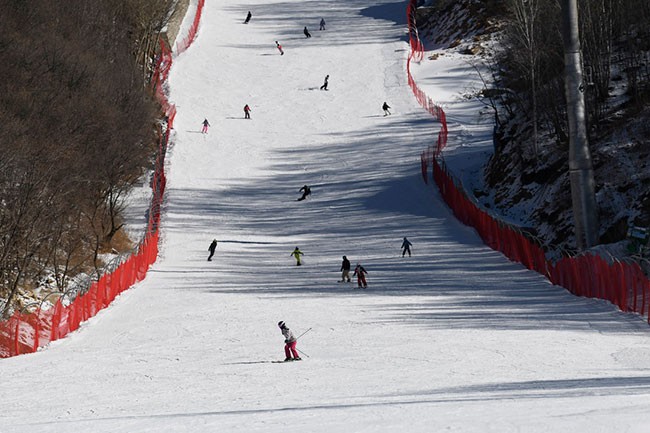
<point>526,21</point>
<point>78,129</point>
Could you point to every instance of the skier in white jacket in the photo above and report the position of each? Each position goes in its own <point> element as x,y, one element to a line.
<point>289,343</point>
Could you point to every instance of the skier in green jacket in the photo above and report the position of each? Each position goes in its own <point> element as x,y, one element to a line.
<point>297,253</point>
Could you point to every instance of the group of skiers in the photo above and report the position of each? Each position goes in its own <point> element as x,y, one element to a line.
<point>360,272</point>
<point>307,34</point>
<point>290,341</point>
<point>290,349</point>
<point>305,31</point>
<point>205,124</point>
<point>249,15</point>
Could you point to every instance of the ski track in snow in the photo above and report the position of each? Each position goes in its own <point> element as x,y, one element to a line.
<point>455,338</point>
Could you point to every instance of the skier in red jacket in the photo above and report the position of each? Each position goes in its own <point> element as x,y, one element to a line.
<point>360,272</point>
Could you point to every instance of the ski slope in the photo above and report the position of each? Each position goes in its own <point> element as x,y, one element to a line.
<point>455,338</point>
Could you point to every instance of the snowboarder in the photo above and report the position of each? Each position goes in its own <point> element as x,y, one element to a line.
<point>360,272</point>
<point>289,343</point>
<point>386,107</point>
<point>277,44</point>
<point>247,112</point>
<point>322,24</point>
<point>345,270</point>
<point>248,17</point>
<point>305,192</point>
<point>406,247</point>
<point>211,248</point>
<point>204,130</point>
<point>297,253</point>
<point>324,86</point>
<point>306,32</point>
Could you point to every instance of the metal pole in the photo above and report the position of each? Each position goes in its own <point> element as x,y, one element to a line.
<point>303,334</point>
<point>581,172</point>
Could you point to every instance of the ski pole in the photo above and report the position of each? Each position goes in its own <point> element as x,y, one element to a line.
<point>302,352</point>
<point>303,334</point>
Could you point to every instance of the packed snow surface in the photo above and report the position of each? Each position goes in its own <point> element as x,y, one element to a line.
<point>454,338</point>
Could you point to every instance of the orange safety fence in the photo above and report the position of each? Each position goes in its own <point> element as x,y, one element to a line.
<point>624,284</point>
<point>27,332</point>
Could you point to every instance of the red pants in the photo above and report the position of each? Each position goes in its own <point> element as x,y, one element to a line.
<point>204,129</point>
<point>361,280</point>
<point>290,349</point>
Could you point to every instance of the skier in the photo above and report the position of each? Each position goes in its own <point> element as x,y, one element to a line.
<point>345,270</point>
<point>305,192</point>
<point>385,107</point>
<point>248,17</point>
<point>247,112</point>
<point>297,253</point>
<point>360,272</point>
<point>306,32</point>
<point>289,343</point>
<point>204,130</point>
<point>277,44</point>
<point>324,86</point>
<point>406,247</point>
<point>211,248</point>
<point>322,24</point>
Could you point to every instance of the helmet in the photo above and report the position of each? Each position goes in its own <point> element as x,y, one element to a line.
<point>344,257</point>
<point>281,324</point>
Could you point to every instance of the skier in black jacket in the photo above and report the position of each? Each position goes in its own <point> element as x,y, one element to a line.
<point>324,86</point>
<point>305,192</point>
<point>211,248</point>
<point>406,247</point>
<point>345,270</point>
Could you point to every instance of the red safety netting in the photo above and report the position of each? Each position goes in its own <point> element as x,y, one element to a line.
<point>27,332</point>
<point>417,48</point>
<point>622,284</point>
<point>184,44</point>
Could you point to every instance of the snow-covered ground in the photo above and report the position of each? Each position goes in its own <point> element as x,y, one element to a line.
<point>452,81</point>
<point>455,338</point>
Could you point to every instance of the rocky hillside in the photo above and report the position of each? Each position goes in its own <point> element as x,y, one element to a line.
<point>533,190</point>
